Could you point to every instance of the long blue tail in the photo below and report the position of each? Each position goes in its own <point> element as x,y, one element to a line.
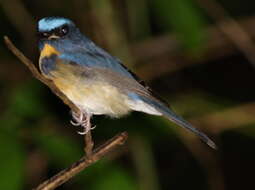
<point>169,114</point>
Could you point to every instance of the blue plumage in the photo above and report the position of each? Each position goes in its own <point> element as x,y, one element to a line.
<point>93,79</point>
<point>95,60</point>
<point>50,23</point>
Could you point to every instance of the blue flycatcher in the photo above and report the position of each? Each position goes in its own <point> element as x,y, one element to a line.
<point>96,82</point>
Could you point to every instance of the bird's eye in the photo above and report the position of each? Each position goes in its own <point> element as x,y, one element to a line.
<point>43,34</point>
<point>63,31</point>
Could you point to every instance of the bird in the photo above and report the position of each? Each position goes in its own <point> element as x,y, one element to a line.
<point>95,81</point>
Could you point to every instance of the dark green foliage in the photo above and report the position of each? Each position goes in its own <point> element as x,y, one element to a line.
<point>217,95</point>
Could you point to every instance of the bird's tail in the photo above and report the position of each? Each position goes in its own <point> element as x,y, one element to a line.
<point>169,114</point>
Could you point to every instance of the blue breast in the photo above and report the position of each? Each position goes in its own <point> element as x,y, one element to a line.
<point>47,64</point>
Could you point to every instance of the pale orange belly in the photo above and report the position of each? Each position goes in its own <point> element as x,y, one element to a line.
<point>97,98</point>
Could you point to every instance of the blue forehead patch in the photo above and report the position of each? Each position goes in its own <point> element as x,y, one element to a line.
<point>50,23</point>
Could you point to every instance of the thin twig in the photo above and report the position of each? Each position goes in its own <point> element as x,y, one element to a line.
<point>88,149</point>
<point>91,156</point>
<point>83,163</point>
<point>37,74</point>
<point>230,28</point>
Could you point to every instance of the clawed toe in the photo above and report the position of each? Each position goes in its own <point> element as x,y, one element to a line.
<point>78,119</point>
<point>82,119</point>
<point>93,127</point>
<point>86,129</point>
<point>82,132</point>
<point>75,123</point>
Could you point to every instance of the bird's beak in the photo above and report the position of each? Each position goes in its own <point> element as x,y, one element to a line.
<point>53,37</point>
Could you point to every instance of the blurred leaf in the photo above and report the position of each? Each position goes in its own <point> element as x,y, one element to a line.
<point>182,17</point>
<point>26,100</point>
<point>61,150</point>
<point>12,159</point>
<point>114,178</point>
<point>10,123</point>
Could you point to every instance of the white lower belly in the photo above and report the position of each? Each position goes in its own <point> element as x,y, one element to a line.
<point>100,99</point>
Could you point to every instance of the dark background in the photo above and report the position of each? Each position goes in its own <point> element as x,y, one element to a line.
<point>197,54</point>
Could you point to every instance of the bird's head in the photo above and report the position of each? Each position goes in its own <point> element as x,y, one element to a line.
<point>56,30</point>
<point>51,28</point>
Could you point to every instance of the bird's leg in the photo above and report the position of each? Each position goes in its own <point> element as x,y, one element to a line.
<point>85,124</point>
<point>82,119</point>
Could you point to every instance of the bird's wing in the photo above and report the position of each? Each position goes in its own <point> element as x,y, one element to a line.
<point>95,58</point>
<point>110,70</point>
<point>92,56</point>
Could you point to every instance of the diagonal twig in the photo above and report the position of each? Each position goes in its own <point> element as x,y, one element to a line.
<point>91,155</point>
<point>83,163</point>
<point>37,74</point>
<point>88,149</point>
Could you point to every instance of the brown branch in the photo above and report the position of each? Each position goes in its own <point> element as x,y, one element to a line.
<point>83,163</point>
<point>88,149</point>
<point>37,74</point>
<point>91,156</point>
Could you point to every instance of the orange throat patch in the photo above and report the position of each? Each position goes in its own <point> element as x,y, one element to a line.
<point>48,50</point>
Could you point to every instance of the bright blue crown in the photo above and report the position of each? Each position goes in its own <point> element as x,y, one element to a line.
<point>50,23</point>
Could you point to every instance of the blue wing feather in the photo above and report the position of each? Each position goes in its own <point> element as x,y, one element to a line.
<point>91,60</point>
<point>90,55</point>
<point>93,56</point>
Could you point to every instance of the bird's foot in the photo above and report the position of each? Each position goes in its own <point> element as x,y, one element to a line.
<point>78,118</point>
<point>82,119</point>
